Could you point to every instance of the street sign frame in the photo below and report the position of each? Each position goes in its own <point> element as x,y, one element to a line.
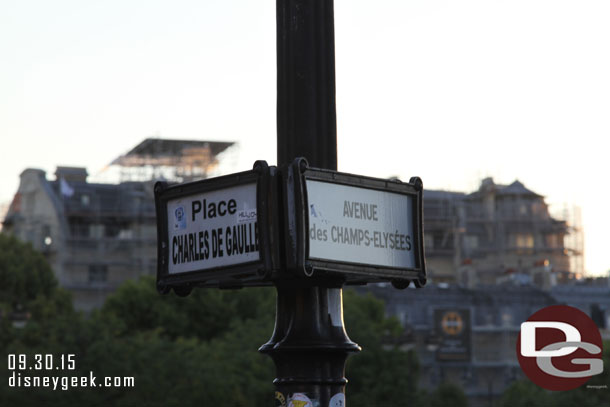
<point>296,218</point>
<point>252,273</point>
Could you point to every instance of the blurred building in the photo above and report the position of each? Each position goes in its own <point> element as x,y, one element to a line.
<point>465,337</point>
<point>96,236</point>
<point>591,296</point>
<point>498,233</point>
<point>3,211</point>
<point>468,337</point>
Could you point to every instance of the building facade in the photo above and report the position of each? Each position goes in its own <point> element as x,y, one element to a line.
<point>94,235</point>
<point>468,337</point>
<point>497,233</point>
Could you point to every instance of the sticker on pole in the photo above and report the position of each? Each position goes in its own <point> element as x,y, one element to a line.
<point>299,400</point>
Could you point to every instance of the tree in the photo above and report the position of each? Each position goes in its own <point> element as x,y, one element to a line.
<point>593,394</point>
<point>378,376</point>
<point>28,284</point>
<point>447,394</point>
<point>192,351</point>
<point>525,393</point>
<point>195,350</point>
<point>173,365</point>
<point>28,292</point>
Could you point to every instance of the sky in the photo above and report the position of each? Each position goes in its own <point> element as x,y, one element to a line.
<point>451,91</point>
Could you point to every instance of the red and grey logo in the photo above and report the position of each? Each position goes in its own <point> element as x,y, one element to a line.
<point>560,348</point>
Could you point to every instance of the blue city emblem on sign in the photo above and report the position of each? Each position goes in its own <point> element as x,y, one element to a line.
<point>180,222</point>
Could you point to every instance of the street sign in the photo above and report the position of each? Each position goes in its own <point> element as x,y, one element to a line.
<point>210,230</point>
<point>217,232</point>
<point>361,228</point>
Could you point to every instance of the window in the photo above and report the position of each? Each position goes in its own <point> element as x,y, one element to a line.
<point>112,230</point>
<point>98,273</point>
<point>428,242</point>
<point>507,318</point>
<point>552,241</point>
<point>96,231</point>
<point>79,229</point>
<point>471,241</point>
<point>126,234</point>
<point>524,241</point>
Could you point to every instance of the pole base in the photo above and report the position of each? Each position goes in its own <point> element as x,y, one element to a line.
<point>309,345</point>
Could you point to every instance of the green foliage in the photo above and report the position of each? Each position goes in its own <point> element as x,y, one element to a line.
<point>526,394</point>
<point>384,375</point>
<point>29,291</point>
<point>28,283</point>
<point>137,307</point>
<point>180,365</point>
<point>200,350</point>
<point>24,272</point>
<point>448,394</point>
<point>377,376</point>
<point>197,350</point>
<point>590,394</point>
<point>593,394</point>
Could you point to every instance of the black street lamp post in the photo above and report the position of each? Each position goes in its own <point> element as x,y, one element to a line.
<point>309,345</point>
<point>306,230</point>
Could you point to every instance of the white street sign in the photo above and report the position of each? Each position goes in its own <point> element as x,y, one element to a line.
<point>360,225</point>
<point>213,229</point>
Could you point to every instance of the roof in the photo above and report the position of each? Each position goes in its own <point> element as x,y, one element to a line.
<point>126,200</point>
<point>514,189</point>
<point>442,195</point>
<point>71,173</point>
<point>487,302</point>
<point>517,188</point>
<point>156,148</point>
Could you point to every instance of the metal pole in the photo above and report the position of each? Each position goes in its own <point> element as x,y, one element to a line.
<point>306,117</point>
<point>309,345</point>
